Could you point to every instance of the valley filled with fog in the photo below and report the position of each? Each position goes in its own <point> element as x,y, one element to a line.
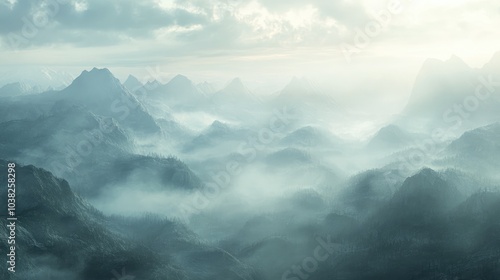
<point>185,180</point>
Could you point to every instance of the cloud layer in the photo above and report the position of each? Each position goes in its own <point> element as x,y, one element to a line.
<point>169,29</point>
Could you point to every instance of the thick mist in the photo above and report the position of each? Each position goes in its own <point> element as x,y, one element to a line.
<point>227,183</point>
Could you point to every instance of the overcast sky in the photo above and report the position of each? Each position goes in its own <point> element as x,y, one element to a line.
<point>214,39</point>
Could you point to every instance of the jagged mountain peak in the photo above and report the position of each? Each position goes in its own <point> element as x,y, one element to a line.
<point>131,77</point>
<point>178,89</point>
<point>427,184</point>
<point>180,80</point>
<point>218,126</point>
<point>493,65</point>
<point>104,72</point>
<point>234,87</point>
<point>132,83</point>
<point>103,94</point>
<point>456,61</point>
<point>152,84</point>
<point>426,172</point>
<point>236,82</point>
<point>96,78</point>
<point>425,194</point>
<point>438,84</point>
<point>97,86</point>
<point>298,86</point>
<point>453,64</point>
<point>206,87</point>
<point>392,136</point>
<point>423,181</point>
<point>18,88</point>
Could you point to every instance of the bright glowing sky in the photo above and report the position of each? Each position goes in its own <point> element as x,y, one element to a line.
<point>218,39</point>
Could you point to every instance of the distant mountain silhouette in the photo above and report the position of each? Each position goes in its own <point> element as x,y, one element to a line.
<point>309,136</point>
<point>103,94</point>
<point>16,89</point>
<point>477,149</point>
<point>132,84</point>
<point>445,95</point>
<point>392,137</point>
<point>179,92</point>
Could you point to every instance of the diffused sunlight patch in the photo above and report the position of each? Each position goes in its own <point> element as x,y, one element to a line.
<point>81,6</point>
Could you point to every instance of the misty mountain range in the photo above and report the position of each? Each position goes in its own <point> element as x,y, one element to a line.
<point>186,181</point>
